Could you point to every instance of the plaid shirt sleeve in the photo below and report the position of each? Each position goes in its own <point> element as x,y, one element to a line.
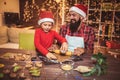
<point>89,43</point>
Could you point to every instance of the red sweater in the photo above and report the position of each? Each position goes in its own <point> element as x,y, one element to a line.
<point>44,40</point>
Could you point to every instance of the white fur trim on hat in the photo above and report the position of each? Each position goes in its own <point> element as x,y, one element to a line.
<point>79,11</point>
<point>45,20</point>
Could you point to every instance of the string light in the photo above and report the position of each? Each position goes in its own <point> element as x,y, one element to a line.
<point>58,7</point>
<point>29,10</point>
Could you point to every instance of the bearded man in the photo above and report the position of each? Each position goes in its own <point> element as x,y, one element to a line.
<point>80,37</point>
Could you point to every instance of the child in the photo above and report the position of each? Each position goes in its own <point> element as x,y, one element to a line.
<point>44,36</point>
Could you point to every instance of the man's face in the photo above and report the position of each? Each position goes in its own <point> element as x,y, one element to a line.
<point>75,20</point>
<point>74,17</point>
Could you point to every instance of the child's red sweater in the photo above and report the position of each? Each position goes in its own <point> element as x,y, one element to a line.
<point>43,40</point>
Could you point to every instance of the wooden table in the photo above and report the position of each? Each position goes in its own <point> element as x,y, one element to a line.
<point>51,72</point>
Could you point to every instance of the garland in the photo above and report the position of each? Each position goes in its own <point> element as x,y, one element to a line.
<point>100,65</point>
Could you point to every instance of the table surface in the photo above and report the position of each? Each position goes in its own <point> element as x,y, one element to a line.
<point>54,72</point>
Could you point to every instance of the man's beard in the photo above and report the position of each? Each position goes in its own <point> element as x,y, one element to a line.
<point>74,26</point>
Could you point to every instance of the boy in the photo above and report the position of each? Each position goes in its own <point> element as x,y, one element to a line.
<point>44,36</point>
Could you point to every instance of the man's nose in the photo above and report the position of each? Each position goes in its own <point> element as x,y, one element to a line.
<point>71,17</point>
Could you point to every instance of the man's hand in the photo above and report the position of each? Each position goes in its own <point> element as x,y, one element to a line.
<point>78,51</point>
<point>51,56</point>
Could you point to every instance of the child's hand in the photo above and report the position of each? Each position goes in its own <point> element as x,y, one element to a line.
<point>64,47</point>
<point>51,56</point>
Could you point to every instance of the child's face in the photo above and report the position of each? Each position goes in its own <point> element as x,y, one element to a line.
<point>46,26</point>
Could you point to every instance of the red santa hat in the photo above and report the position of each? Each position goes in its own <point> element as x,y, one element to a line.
<point>45,16</point>
<point>80,9</point>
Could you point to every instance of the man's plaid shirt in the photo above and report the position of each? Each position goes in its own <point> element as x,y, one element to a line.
<point>86,32</point>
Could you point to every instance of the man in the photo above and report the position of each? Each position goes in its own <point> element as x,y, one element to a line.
<point>80,37</point>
